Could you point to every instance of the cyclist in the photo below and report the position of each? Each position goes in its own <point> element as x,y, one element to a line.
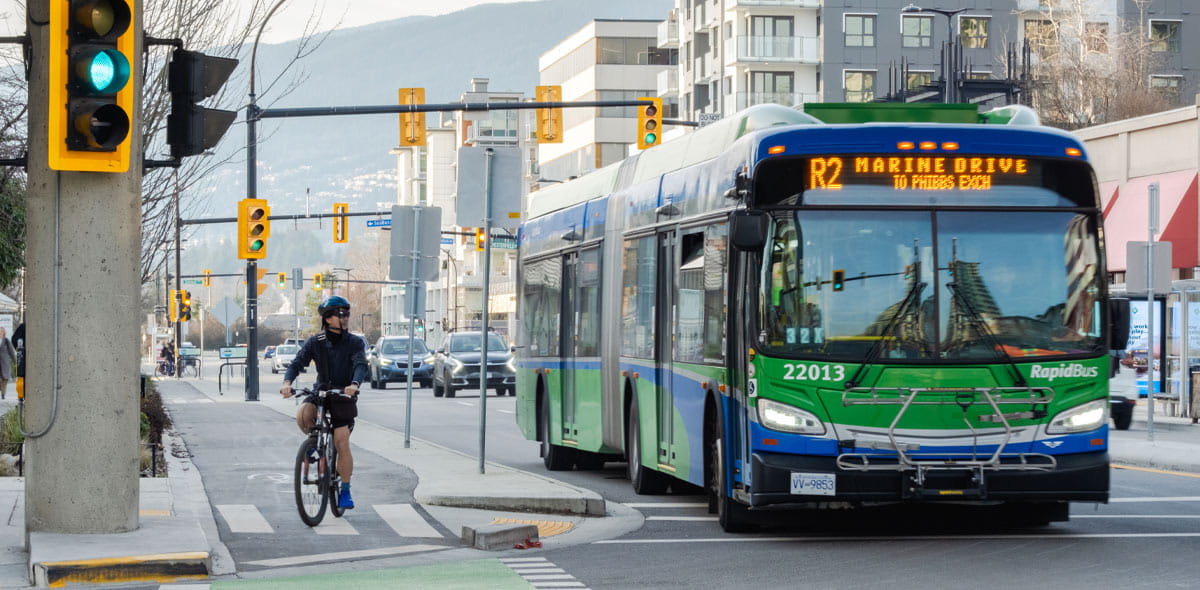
<point>341,364</point>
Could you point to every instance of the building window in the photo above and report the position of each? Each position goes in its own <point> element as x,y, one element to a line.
<point>974,31</point>
<point>620,112</point>
<point>859,85</point>
<point>918,79</point>
<point>1164,36</point>
<point>1095,37</point>
<point>1039,34</point>
<point>1168,86</point>
<point>916,31</point>
<point>625,51</point>
<point>860,30</point>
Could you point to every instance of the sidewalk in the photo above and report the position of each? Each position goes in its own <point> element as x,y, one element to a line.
<point>1176,441</point>
<point>178,537</point>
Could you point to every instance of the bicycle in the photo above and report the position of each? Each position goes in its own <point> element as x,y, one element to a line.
<point>164,368</point>
<point>189,365</point>
<point>317,491</point>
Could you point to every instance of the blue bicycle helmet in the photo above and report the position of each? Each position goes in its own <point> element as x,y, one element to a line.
<point>333,303</point>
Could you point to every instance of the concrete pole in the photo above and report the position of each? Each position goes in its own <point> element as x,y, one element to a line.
<point>81,406</point>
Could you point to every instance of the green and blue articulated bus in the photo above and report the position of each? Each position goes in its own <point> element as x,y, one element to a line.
<point>845,305</point>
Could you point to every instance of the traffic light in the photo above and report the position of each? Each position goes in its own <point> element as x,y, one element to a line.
<point>191,78</point>
<point>549,121</point>
<point>340,231</point>
<point>207,280</point>
<point>283,280</point>
<point>649,123</point>
<point>318,282</point>
<point>412,125</point>
<point>254,227</point>
<point>839,280</point>
<point>91,87</point>
<point>480,239</point>
<point>185,307</point>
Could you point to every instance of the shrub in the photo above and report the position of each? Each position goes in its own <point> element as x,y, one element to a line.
<point>10,433</point>
<point>155,418</point>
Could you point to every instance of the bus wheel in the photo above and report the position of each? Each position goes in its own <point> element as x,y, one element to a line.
<point>731,514</point>
<point>645,481</point>
<point>554,457</point>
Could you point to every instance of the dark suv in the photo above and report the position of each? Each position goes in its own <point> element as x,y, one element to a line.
<point>456,364</point>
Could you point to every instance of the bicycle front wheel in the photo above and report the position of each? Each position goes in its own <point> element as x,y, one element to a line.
<point>312,494</point>
<point>334,484</point>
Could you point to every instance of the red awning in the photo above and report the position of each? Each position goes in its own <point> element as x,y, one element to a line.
<point>1126,215</point>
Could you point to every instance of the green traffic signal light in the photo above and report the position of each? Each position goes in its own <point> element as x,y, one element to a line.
<point>102,71</point>
<point>839,280</point>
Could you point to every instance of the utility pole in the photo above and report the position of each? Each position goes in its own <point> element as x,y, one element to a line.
<point>80,414</point>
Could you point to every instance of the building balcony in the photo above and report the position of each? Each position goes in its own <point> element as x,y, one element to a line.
<point>787,99</point>
<point>805,50</point>
<point>668,82</point>
<point>783,3</point>
<point>668,32</point>
<point>1033,5</point>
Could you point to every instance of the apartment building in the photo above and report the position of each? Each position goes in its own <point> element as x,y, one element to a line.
<point>737,53</point>
<point>604,60</point>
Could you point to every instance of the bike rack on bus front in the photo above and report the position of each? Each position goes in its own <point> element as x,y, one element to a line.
<point>906,458</point>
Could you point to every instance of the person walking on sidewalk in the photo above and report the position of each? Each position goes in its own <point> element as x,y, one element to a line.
<point>341,364</point>
<point>8,360</point>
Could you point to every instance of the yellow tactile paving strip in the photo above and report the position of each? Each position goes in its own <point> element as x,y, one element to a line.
<point>546,528</point>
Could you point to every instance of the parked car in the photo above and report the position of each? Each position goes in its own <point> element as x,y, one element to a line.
<point>388,361</point>
<point>457,364</point>
<point>284,353</point>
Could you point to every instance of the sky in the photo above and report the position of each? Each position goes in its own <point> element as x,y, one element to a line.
<point>289,20</point>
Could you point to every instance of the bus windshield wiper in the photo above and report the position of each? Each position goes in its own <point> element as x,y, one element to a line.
<point>981,325</point>
<point>913,295</point>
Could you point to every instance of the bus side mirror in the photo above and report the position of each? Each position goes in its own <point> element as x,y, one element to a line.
<point>748,229</point>
<point>1118,318</point>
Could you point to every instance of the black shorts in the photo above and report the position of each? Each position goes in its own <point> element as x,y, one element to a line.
<point>342,411</point>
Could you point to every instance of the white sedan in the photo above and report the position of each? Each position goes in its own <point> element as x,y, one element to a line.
<point>284,353</point>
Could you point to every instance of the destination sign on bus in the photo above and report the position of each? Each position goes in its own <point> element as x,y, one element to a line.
<point>929,173</point>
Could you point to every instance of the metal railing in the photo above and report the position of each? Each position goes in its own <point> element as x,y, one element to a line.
<point>797,49</point>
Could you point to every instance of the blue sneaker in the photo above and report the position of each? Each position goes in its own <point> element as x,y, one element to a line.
<point>344,499</point>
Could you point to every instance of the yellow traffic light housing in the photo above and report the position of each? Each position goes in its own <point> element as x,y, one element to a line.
<point>254,227</point>
<point>318,282</point>
<point>91,90</point>
<point>173,307</point>
<point>282,280</point>
<point>207,280</point>
<point>649,123</point>
<point>340,230</point>
<point>549,120</point>
<point>412,125</point>
<point>480,239</point>
<point>185,307</point>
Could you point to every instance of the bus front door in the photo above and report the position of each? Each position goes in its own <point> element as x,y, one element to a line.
<point>664,318</point>
<point>570,288</point>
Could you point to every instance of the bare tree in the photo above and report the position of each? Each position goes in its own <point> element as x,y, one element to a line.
<point>1086,74</point>
<point>224,28</point>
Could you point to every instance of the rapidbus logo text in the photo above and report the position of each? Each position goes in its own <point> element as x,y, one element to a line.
<point>1063,370</point>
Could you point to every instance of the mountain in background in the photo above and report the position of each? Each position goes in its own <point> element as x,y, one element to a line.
<point>345,158</point>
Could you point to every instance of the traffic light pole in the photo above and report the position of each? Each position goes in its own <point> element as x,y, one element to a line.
<point>251,264</point>
<point>178,282</point>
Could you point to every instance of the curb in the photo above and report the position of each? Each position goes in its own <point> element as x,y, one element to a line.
<point>576,506</point>
<point>161,568</point>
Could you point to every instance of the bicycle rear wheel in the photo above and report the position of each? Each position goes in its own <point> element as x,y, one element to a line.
<point>312,495</point>
<point>335,482</point>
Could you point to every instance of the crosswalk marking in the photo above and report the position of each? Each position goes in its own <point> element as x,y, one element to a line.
<point>541,573</point>
<point>335,526</point>
<point>244,518</point>
<point>405,520</point>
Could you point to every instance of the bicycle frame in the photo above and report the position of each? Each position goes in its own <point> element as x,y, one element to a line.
<point>329,481</point>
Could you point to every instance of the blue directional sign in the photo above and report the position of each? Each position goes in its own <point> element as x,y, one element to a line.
<point>447,241</point>
<point>379,223</point>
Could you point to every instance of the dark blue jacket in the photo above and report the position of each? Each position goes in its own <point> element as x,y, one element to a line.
<point>347,360</point>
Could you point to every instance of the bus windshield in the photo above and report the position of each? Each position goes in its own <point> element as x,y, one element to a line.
<point>930,285</point>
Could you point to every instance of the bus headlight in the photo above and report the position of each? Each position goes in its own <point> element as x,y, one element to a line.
<point>785,418</point>
<point>1081,418</point>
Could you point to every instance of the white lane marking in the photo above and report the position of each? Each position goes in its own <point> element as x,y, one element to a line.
<point>244,518</point>
<point>405,520</point>
<point>325,557</point>
<point>1154,499</point>
<point>557,584</point>
<point>541,573</point>
<point>1139,516</point>
<point>183,586</point>
<point>893,538</point>
<point>539,570</point>
<point>546,577</point>
<point>507,411</point>
<point>684,518</point>
<point>507,560</point>
<point>468,404</point>
<point>335,526</point>
<point>667,505</point>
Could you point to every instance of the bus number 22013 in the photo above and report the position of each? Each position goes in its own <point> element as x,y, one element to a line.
<point>797,372</point>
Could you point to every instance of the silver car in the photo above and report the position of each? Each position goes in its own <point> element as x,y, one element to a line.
<point>284,353</point>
